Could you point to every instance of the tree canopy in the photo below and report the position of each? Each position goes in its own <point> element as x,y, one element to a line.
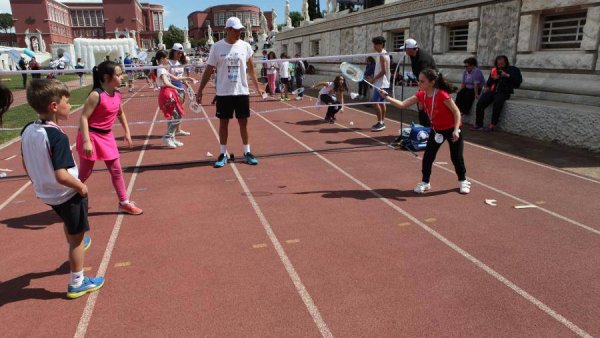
<point>6,22</point>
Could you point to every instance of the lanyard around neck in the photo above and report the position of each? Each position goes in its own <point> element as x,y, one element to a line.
<point>432,111</point>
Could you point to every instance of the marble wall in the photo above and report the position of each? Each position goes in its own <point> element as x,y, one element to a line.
<point>498,25</point>
<point>421,30</point>
<point>538,5</point>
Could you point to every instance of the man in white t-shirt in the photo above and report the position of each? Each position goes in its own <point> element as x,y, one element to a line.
<point>232,58</point>
<point>381,78</point>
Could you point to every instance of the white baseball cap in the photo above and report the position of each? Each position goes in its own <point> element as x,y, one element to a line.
<point>234,23</point>
<point>178,46</point>
<point>410,43</point>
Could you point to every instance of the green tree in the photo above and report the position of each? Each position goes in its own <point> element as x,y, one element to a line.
<point>6,22</point>
<point>314,9</point>
<point>296,18</point>
<point>172,35</point>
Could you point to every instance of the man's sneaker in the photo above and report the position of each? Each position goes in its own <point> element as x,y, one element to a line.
<point>183,133</point>
<point>465,187</point>
<point>286,98</point>
<point>378,127</point>
<point>89,284</point>
<point>130,208</point>
<point>250,159</point>
<point>298,98</point>
<point>221,161</point>
<point>422,187</point>
<point>168,142</point>
<point>87,242</point>
<point>177,143</point>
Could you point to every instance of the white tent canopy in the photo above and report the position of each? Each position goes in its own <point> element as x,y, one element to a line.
<point>94,51</point>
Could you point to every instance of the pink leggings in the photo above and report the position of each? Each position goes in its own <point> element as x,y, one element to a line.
<point>116,174</point>
<point>271,78</point>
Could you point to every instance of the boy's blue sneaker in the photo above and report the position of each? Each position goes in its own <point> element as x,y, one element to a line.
<point>87,242</point>
<point>250,159</point>
<point>221,161</point>
<point>89,284</point>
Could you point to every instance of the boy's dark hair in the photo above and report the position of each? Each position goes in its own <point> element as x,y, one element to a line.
<point>6,99</point>
<point>378,40</point>
<point>42,92</point>
<point>471,61</point>
<point>104,68</point>
<point>160,55</point>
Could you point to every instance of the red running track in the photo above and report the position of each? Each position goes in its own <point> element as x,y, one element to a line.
<point>333,243</point>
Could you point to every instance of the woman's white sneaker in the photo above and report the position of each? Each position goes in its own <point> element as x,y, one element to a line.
<point>178,143</point>
<point>465,187</point>
<point>422,187</point>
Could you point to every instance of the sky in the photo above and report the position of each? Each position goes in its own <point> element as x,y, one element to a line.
<point>176,11</point>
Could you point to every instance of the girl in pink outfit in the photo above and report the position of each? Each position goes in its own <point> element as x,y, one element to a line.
<point>95,140</point>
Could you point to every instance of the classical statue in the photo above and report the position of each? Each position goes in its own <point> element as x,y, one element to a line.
<point>274,21</point>
<point>160,37</point>
<point>210,40</point>
<point>263,24</point>
<point>305,11</point>
<point>288,20</point>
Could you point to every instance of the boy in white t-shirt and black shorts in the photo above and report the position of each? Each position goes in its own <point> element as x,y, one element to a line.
<point>232,58</point>
<point>49,163</point>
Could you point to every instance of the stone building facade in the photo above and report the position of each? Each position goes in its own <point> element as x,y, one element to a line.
<point>40,24</point>
<point>554,42</point>
<point>216,16</point>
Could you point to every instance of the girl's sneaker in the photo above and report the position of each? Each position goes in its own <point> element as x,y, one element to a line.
<point>168,142</point>
<point>90,284</point>
<point>422,187</point>
<point>465,187</point>
<point>183,133</point>
<point>177,143</point>
<point>130,208</point>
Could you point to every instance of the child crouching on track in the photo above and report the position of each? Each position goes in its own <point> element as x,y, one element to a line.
<point>95,140</point>
<point>332,94</point>
<point>434,95</point>
<point>48,161</point>
<point>169,101</point>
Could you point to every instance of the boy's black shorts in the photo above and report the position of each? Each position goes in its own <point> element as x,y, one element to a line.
<point>226,105</point>
<point>74,214</point>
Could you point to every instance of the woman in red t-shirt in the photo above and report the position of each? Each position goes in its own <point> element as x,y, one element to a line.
<point>434,96</point>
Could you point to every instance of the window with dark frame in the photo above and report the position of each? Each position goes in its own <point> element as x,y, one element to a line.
<point>458,37</point>
<point>563,31</point>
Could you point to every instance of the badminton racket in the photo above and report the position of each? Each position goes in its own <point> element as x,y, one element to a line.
<point>298,91</point>
<point>355,74</point>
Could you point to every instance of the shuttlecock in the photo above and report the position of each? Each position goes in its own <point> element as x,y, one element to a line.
<point>351,123</point>
<point>209,154</point>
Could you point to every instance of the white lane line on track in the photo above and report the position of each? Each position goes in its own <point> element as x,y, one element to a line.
<point>562,171</point>
<point>86,316</point>
<point>545,308</point>
<point>287,263</point>
<point>502,192</point>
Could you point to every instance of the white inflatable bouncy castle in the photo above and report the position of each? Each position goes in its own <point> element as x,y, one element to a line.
<point>94,51</point>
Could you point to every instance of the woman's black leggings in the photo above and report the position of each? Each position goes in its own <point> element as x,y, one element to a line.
<point>456,154</point>
<point>333,106</point>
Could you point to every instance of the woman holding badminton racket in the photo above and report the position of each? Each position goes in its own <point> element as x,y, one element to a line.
<point>434,96</point>
<point>332,94</point>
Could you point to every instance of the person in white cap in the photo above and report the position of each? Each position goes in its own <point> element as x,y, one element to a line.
<point>420,61</point>
<point>232,58</point>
